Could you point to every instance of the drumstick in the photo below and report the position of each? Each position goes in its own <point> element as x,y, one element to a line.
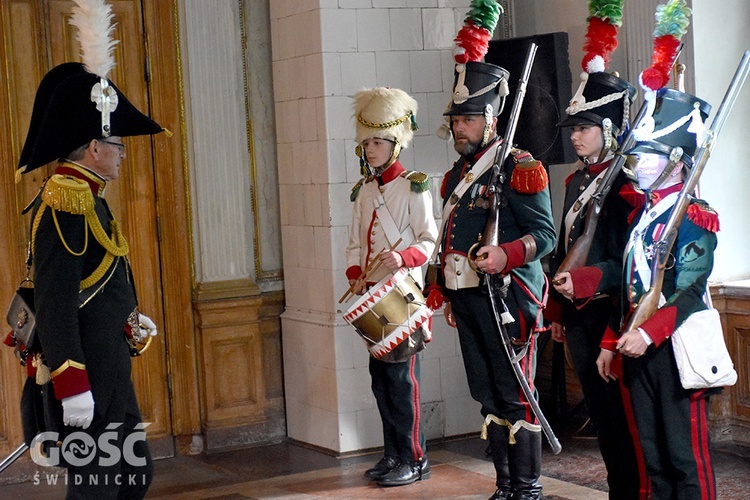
<point>371,268</point>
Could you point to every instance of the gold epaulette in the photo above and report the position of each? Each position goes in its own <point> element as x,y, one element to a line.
<point>355,189</point>
<point>420,182</point>
<point>68,194</point>
<point>529,176</point>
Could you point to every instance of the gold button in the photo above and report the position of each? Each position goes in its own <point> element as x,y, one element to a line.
<point>456,258</point>
<point>458,273</point>
<point>375,224</point>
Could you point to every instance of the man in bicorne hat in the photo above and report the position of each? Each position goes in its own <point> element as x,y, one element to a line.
<point>392,228</point>
<point>584,298</point>
<point>87,317</point>
<point>526,233</point>
<point>671,421</point>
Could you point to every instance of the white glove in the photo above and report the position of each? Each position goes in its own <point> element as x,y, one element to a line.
<point>146,328</point>
<point>78,410</point>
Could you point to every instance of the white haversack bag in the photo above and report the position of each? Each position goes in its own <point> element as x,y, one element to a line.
<point>700,352</point>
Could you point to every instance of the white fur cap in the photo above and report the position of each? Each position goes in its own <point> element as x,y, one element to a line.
<point>386,113</point>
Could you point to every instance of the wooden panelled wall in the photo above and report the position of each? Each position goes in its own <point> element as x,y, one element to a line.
<point>730,412</point>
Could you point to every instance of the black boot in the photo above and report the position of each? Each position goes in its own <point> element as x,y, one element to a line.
<point>525,464</point>
<point>407,472</point>
<point>383,467</point>
<point>498,437</point>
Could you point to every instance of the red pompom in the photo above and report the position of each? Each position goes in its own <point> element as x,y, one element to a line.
<point>435,298</point>
<point>665,51</point>
<point>653,79</point>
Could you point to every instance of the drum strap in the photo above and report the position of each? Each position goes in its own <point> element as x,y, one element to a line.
<point>389,225</point>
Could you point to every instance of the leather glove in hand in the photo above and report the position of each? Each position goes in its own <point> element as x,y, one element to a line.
<point>78,410</point>
<point>146,328</point>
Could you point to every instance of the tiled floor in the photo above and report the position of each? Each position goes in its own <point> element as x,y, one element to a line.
<point>460,470</point>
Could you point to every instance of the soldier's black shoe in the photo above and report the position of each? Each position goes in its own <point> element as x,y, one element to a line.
<point>407,473</point>
<point>502,495</point>
<point>383,467</point>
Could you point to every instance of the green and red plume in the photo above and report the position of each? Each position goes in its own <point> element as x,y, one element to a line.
<point>672,21</point>
<point>472,41</point>
<point>605,17</point>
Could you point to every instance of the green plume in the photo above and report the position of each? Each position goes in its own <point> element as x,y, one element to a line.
<point>672,19</point>
<point>485,13</point>
<point>607,9</point>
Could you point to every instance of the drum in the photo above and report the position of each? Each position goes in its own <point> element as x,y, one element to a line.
<point>392,318</point>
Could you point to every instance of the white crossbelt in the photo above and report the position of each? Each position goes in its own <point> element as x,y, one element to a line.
<point>637,237</point>
<point>390,228</point>
<point>479,168</point>
<point>580,203</point>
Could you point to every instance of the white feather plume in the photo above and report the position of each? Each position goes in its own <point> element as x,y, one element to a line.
<point>93,18</point>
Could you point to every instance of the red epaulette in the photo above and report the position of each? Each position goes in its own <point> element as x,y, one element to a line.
<point>703,216</point>
<point>529,176</point>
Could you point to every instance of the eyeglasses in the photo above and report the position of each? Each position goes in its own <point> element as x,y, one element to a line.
<point>119,145</point>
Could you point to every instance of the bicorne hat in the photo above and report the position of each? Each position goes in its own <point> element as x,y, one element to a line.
<point>76,102</point>
<point>66,115</point>
<point>678,121</point>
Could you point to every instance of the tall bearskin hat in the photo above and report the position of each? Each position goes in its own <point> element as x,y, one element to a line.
<point>478,87</point>
<point>76,102</point>
<point>602,98</point>
<point>678,122</point>
<point>386,113</point>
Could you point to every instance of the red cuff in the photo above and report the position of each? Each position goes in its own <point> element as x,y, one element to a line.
<point>609,340</point>
<point>661,325</point>
<point>413,257</point>
<point>585,281</point>
<point>553,311</point>
<point>70,379</point>
<point>516,252</point>
<point>353,272</point>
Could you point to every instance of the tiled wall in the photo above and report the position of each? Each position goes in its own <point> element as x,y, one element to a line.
<point>323,52</point>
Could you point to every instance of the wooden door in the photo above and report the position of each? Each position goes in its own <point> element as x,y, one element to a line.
<point>36,37</point>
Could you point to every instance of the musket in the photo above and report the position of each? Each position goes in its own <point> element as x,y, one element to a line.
<point>514,362</point>
<point>649,302</point>
<point>15,455</point>
<point>578,254</point>
<point>491,234</point>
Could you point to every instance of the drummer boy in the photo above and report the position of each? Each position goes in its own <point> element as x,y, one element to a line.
<point>392,228</point>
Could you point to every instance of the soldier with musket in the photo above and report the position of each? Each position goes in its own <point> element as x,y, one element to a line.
<point>587,264</point>
<point>671,420</point>
<point>87,318</point>
<point>525,234</point>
